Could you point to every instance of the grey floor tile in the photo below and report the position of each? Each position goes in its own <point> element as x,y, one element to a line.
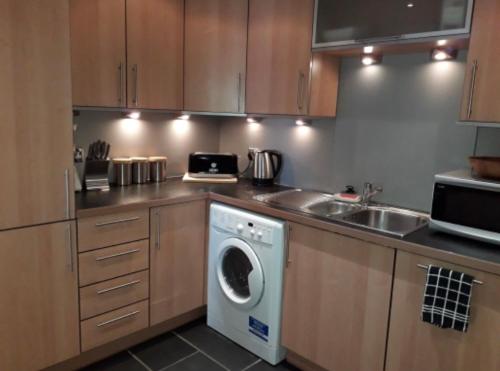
<point>197,362</point>
<point>264,366</point>
<point>120,362</point>
<point>229,354</point>
<point>162,351</point>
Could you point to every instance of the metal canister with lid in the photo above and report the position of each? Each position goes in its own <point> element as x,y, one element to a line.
<point>123,171</point>
<point>140,170</point>
<point>158,168</point>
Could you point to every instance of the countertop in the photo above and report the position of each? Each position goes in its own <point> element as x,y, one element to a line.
<point>425,242</point>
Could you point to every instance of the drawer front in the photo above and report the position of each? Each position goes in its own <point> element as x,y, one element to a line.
<point>111,262</point>
<point>114,325</point>
<point>106,296</point>
<point>113,229</point>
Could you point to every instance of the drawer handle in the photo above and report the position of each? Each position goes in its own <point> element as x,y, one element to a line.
<point>426,267</point>
<point>125,316</point>
<point>104,291</point>
<point>117,255</point>
<point>112,222</point>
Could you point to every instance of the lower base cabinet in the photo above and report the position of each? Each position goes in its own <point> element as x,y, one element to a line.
<point>336,300</point>
<point>177,261</point>
<point>414,345</point>
<point>39,323</point>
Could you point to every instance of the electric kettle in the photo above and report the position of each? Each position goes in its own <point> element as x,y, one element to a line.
<point>266,166</point>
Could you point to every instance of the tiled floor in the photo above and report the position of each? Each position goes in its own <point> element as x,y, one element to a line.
<point>194,347</point>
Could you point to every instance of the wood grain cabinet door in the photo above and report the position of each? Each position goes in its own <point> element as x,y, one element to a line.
<point>279,56</point>
<point>36,125</point>
<point>336,300</point>
<point>177,263</point>
<point>98,59</point>
<point>155,34</point>
<point>216,45</point>
<point>482,79</point>
<point>39,306</point>
<point>414,345</point>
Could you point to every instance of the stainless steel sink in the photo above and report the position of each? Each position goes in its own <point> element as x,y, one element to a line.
<point>330,209</point>
<point>394,221</point>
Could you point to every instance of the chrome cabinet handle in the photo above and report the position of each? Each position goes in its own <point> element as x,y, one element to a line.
<point>239,92</point>
<point>426,267</point>
<point>107,257</point>
<point>69,245</point>
<point>120,83</point>
<point>475,66</point>
<point>125,316</point>
<point>288,228</point>
<point>158,232</point>
<point>135,71</point>
<point>66,193</point>
<point>300,91</point>
<point>114,288</point>
<point>112,222</point>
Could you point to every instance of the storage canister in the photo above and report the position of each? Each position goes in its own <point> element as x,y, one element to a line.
<point>140,170</point>
<point>123,171</point>
<point>158,168</point>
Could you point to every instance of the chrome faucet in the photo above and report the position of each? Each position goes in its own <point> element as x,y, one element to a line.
<point>368,192</point>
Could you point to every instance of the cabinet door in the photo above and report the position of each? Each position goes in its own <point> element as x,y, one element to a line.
<point>216,44</point>
<point>155,33</point>
<point>414,345</point>
<point>39,306</point>
<point>178,255</point>
<point>336,300</point>
<point>98,52</point>
<point>279,55</point>
<point>35,101</point>
<point>482,79</point>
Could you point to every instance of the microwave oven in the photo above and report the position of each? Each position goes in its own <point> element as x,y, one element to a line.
<point>466,206</point>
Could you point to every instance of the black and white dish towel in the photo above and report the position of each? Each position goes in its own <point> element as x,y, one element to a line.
<point>447,298</point>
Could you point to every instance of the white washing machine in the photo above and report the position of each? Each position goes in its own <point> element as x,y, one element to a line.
<point>245,279</point>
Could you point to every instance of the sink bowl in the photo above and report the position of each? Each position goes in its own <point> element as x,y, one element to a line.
<point>388,220</point>
<point>330,209</point>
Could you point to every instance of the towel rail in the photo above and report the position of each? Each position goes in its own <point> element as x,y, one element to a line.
<point>426,267</point>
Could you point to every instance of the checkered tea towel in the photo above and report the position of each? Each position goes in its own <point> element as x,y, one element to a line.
<point>447,298</point>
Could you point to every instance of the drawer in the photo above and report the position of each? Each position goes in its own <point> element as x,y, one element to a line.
<point>113,229</point>
<point>108,295</point>
<point>111,262</point>
<point>114,325</point>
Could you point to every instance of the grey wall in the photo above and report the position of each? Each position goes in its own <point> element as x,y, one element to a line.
<point>395,127</point>
<point>154,134</point>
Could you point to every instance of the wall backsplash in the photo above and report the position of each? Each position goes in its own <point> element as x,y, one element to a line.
<point>154,134</point>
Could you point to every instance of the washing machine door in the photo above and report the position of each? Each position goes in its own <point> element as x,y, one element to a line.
<point>239,273</point>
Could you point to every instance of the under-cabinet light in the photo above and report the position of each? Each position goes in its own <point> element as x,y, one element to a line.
<point>371,59</point>
<point>444,54</point>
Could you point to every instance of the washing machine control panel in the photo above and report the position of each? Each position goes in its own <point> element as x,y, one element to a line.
<point>246,228</point>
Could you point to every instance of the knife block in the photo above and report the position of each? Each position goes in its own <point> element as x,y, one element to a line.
<point>96,175</point>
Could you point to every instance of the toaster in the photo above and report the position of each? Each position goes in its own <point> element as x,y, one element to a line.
<point>213,165</point>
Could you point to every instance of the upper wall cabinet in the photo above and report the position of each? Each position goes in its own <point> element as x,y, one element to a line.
<point>348,22</point>
<point>135,64</point>
<point>279,56</point>
<point>36,125</point>
<point>482,80</point>
<point>215,55</point>
<point>98,59</point>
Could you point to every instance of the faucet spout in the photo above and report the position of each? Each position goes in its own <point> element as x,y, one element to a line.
<point>369,191</point>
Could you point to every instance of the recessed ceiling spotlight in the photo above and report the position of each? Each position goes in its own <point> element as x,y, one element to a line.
<point>368,49</point>
<point>444,54</point>
<point>371,59</point>
<point>254,120</point>
<point>410,5</point>
<point>302,122</point>
<point>441,42</point>
<point>184,117</point>
<point>134,115</point>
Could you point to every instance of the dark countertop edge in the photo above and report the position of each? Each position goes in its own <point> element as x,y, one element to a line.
<point>306,219</point>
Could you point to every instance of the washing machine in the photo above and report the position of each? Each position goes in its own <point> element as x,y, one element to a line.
<point>245,279</point>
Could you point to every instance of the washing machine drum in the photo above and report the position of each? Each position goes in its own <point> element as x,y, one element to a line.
<point>239,273</point>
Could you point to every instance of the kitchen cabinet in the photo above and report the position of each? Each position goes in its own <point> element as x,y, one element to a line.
<point>155,34</point>
<point>215,48</point>
<point>482,78</point>
<point>336,300</point>
<point>127,53</point>
<point>98,55</point>
<point>35,101</point>
<point>414,345</point>
<point>177,263</point>
<point>279,56</point>
<point>39,306</point>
